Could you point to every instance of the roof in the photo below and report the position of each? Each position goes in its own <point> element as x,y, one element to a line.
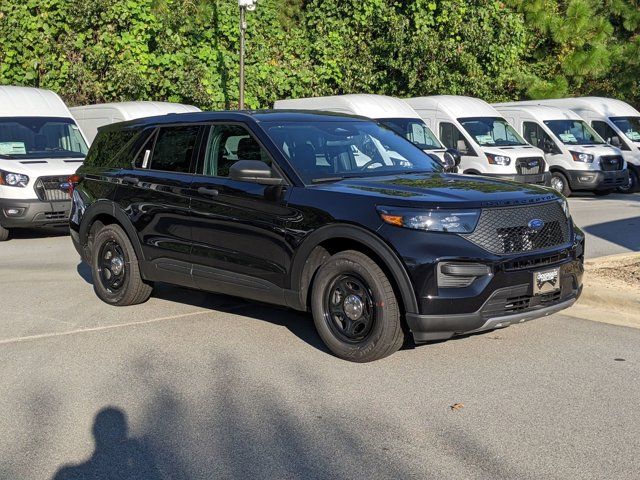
<point>31,102</point>
<point>133,110</point>
<point>455,106</point>
<point>258,116</point>
<point>366,105</point>
<point>606,107</point>
<point>539,112</point>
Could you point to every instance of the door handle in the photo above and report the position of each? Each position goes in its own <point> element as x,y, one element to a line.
<point>131,180</point>
<point>211,192</point>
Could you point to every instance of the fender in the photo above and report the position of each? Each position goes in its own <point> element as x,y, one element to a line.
<point>107,207</point>
<point>370,240</point>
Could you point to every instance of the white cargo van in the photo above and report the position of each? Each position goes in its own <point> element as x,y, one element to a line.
<point>92,117</point>
<point>487,143</point>
<point>615,121</point>
<point>40,147</point>
<point>578,158</point>
<point>389,111</point>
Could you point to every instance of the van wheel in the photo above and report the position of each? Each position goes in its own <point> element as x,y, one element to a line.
<point>633,185</point>
<point>114,266</point>
<point>560,183</point>
<point>601,193</point>
<point>4,234</point>
<point>355,308</point>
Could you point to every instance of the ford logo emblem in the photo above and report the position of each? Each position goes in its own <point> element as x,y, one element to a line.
<point>536,224</point>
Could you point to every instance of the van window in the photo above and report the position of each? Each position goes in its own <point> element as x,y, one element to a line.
<point>451,137</point>
<point>226,145</point>
<point>630,126</point>
<point>174,148</point>
<point>491,131</point>
<point>606,132</point>
<point>574,132</point>
<point>414,130</point>
<point>40,137</point>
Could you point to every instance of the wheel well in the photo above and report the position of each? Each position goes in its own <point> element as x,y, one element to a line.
<point>321,253</point>
<point>471,172</point>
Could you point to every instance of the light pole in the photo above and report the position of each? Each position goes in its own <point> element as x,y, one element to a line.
<point>244,5</point>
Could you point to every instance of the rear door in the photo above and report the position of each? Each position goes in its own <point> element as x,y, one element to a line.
<point>154,192</point>
<point>238,231</point>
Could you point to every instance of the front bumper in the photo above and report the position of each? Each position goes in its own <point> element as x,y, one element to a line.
<point>33,213</point>
<point>597,180</point>
<point>536,179</point>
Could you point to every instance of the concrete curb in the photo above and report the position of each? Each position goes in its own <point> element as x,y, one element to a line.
<point>606,299</point>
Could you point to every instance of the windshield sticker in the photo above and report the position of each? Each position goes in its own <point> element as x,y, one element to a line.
<point>12,148</point>
<point>633,136</point>
<point>568,138</point>
<point>484,139</point>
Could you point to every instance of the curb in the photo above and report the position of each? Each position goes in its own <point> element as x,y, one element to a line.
<point>605,299</point>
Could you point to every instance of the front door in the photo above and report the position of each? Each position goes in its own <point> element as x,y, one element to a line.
<point>238,234</point>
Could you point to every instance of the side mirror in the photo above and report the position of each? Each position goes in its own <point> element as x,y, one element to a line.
<point>548,146</point>
<point>461,146</point>
<point>615,141</point>
<point>451,160</point>
<point>253,171</point>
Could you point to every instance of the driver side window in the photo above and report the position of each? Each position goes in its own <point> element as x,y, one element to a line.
<point>451,137</point>
<point>536,136</point>
<point>226,145</point>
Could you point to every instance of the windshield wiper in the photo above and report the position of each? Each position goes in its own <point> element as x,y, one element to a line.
<point>327,179</point>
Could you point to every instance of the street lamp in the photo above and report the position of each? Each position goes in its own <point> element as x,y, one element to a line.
<point>244,5</point>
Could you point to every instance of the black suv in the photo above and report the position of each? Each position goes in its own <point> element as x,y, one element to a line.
<point>323,212</point>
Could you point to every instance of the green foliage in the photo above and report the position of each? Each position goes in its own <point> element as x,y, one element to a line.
<point>187,50</point>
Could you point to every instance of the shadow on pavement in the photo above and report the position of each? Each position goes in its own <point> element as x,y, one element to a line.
<point>624,232</point>
<point>29,233</point>
<point>116,456</point>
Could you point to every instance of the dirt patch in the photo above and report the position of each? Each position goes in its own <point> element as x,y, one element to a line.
<point>628,273</point>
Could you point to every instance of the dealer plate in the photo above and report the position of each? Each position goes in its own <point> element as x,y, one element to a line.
<point>546,281</point>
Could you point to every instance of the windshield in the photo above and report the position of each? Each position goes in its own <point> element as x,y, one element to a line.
<point>574,132</point>
<point>414,130</point>
<point>491,131</point>
<point>630,126</point>
<point>326,151</point>
<point>40,137</point>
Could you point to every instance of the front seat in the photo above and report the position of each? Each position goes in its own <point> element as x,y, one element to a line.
<point>248,149</point>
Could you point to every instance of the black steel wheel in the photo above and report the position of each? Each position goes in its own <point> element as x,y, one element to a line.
<point>355,309</point>
<point>114,266</point>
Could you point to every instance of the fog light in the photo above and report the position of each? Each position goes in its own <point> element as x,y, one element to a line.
<point>460,275</point>
<point>13,212</point>
<point>585,179</point>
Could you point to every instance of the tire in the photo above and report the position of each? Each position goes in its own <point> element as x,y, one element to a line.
<point>4,234</point>
<point>560,183</point>
<point>115,270</point>
<point>602,193</point>
<point>365,323</point>
<point>634,183</point>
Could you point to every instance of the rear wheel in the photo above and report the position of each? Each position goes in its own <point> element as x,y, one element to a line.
<point>115,269</point>
<point>560,183</point>
<point>4,234</point>
<point>355,308</point>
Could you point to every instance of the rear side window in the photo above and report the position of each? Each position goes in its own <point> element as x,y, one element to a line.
<point>174,148</point>
<point>112,148</point>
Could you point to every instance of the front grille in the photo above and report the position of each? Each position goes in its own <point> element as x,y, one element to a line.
<point>530,166</point>
<point>48,189</point>
<point>506,230</point>
<point>610,163</point>
<point>61,215</point>
<point>536,262</point>
<point>517,299</point>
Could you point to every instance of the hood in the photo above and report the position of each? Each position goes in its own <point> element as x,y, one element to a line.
<point>444,190</point>
<point>518,151</point>
<point>597,150</point>
<point>41,167</point>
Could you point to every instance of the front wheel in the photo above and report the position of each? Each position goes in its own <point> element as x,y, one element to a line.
<point>355,309</point>
<point>560,183</point>
<point>4,234</point>
<point>633,185</point>
<point>114,266</point>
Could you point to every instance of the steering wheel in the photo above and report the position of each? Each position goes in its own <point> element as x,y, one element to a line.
<point>372,162</point>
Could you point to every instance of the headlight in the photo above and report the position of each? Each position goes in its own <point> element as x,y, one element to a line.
<point>565,207</point>
<point>498,159</point>
<point>581,157</point>
<point>13,179</point>
<point>451,221</point>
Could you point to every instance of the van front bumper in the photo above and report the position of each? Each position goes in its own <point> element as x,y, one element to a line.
<point>33,213</point>
<point>536,179</point>
<point>597,180</point>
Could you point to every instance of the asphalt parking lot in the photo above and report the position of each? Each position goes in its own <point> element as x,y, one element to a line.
<point>208,386</point>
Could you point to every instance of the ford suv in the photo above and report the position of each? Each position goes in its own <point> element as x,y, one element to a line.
<point>278,207</point>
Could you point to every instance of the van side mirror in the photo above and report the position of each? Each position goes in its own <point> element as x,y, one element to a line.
<point>253,171</point>
<point>548,146</point>
<point>615,141</point>
<point>461,146</point>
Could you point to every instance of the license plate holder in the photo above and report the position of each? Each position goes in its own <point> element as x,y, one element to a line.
<point>546,281</point>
